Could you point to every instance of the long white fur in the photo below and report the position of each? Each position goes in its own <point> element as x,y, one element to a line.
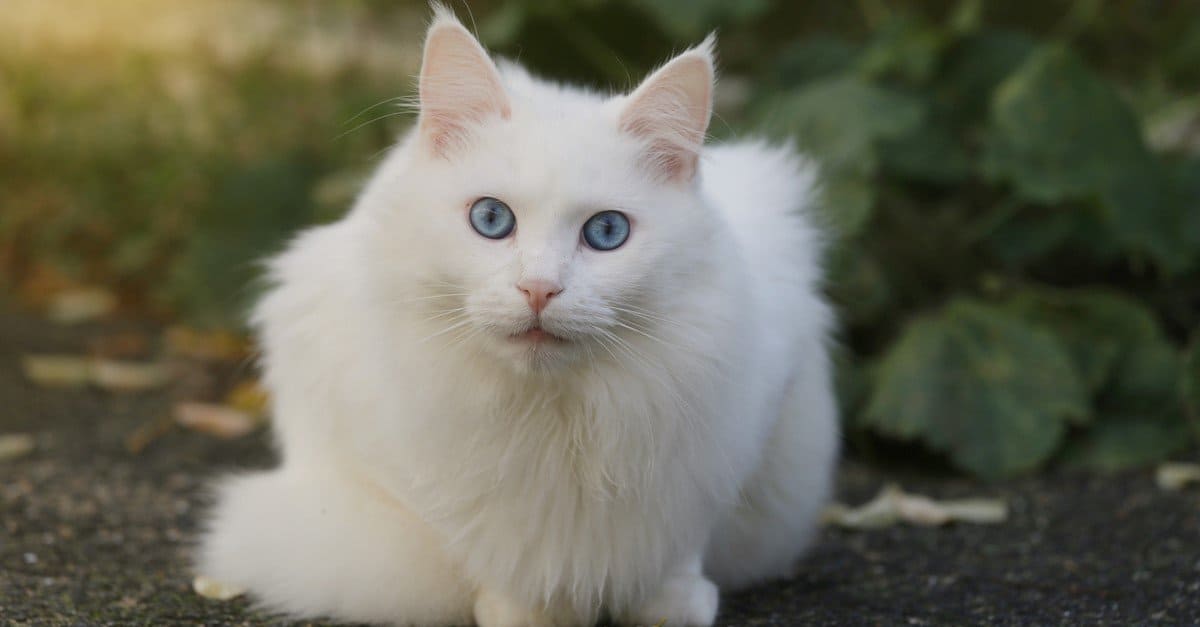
<point>436,471</point>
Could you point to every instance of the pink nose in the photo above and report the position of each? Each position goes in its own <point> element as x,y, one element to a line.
<point>538,293</point>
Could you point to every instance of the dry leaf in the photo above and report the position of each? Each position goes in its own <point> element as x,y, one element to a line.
<point>219,420</point>
<point>205,345</point>
<point>57,370</point>
<point>147,432</point>
<point>14,445</point>
<point>1176,476</point>
<point>893,505</point>
<point>215,590</point>
<point>128,376</point>
<point>108,374</point>
<point>81,304</point>
<point>248,396</point>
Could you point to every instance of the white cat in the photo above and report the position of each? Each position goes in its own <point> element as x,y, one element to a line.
<point>560,362</point>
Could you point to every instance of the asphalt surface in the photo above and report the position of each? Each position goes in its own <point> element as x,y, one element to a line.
<point>91,534</point>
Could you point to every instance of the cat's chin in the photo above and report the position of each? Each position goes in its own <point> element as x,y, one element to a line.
<point>535,337</point>
<point>537,350</point>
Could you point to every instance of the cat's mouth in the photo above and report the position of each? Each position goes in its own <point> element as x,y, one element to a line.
<point>536,335</point>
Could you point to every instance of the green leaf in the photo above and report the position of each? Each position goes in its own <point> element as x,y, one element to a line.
<point>1190,380</point>
<point>1146,211</point>
<point>848,198</point>
<point>858,284</point>
<point>905,47</point>
<point>975,66</point>
<point>813,57</point>
<point>1037,232</point>
<point>1141,413</point>
<point>1130,366</point>
<point>1126,442</point>
<point>1185,174</point>
<point>979,384</point>
<point>1098,327</point>
<point>1059,132</point>
<point>839,120</point>
<point>929,152</point>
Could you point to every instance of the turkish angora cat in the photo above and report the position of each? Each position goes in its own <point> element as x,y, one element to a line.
<point>560,362</point>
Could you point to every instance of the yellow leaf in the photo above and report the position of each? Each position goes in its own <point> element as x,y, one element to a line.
<point>128,376</point>
<point>107,374</point>
<point>221,421</point>
<point>14,445</point>
<point>248,396</point>
<point>893,505</point>
<point>81,304</point>
<point>57,370</point>
<point>1176,476</point>
<point>205,345</point>
<point>218,591</point>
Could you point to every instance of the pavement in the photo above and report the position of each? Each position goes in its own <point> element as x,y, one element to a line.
<point>92,534</point>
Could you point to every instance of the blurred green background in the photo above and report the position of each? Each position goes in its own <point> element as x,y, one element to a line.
<point>1014,186</point>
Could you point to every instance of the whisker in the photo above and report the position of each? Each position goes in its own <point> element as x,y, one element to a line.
<point>369,122</point>
<point>452,327</point>
<point>372,107</point>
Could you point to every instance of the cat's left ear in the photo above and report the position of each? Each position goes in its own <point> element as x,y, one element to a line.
<point>460,86</point>
<point>670,111</point>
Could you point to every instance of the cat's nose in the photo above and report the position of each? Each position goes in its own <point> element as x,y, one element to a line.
<point>539,293</point>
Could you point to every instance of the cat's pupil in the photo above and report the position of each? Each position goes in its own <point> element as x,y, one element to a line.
<point>606,230</point>
<point>492,218</point>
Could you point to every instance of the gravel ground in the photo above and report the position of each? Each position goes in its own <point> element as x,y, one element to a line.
<point>91,534</point>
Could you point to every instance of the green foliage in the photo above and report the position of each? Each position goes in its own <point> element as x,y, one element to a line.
<point>961,380</point>
<point>168,174</point>
<point>988,186</point>
<point>1058,132</point>
<point>1015,186</point>
<point>843,119</point>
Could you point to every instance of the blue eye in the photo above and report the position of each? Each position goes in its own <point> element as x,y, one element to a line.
<point>492,218</point>
<point>606,230</point>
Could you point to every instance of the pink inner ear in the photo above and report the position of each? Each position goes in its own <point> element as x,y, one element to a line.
<point>671,111</point>
<point>459,87</point>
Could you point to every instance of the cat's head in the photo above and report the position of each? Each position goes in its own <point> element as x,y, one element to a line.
<point>547,225</point>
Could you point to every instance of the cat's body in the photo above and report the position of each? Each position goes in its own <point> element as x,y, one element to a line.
<point>669,421</point>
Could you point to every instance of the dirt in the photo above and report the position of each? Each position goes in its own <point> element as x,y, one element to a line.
<point>91,534</point>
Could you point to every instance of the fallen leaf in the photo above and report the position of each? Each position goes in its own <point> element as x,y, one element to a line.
<point>107,374</point>
<point>146,433</point>
<point>14,445</point>
<point>216,345</point>
<point>219,420</point>
<point>129,376</point>
<point>81,304</point>
<point>893,505</point>
<point>212,589</point>
<point>57,370</point>
<point>1176,476</point>
<point>248,396</point>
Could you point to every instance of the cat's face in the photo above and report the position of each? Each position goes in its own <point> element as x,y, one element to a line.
<point>554,227</point>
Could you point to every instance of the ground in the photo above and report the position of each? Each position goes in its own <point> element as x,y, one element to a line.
<point>91,534</point>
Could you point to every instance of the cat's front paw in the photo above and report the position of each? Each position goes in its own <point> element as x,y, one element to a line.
<point>493,609</point>
<point>683,601</point>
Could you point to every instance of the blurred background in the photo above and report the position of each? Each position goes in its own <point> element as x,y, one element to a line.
<point>1014,188</point>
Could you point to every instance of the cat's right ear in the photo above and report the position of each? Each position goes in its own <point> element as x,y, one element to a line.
<point>459,87</point>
